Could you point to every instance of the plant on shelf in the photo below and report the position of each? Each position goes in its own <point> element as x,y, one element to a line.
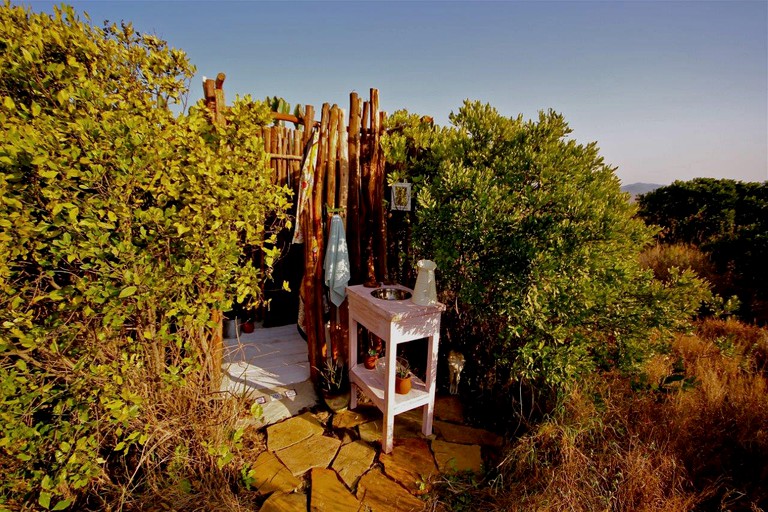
<point>334,385</point>
<point>370,358</point>
<point>402,376</point>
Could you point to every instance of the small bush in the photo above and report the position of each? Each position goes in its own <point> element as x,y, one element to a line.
<point>663,258</point>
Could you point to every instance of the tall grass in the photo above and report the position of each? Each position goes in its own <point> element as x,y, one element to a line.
<point>195,451</point>
<point>690,434</point>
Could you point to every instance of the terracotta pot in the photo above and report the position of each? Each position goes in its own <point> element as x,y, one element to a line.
<point>370,362</point>
<point>402,386</point>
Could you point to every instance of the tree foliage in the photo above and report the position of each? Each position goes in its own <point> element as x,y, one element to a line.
<point>729,221</point>
<point>121,229</point>
<point>537,249</point>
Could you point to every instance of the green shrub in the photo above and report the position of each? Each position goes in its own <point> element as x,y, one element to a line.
<point>537,249</point>
<point>121,225</point>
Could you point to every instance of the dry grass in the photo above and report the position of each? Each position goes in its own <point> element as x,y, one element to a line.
<point>661,258</point>
<point>698,441</point>
<point>179,467</point>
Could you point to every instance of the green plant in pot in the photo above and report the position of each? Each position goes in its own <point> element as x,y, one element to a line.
<point>402,377</point>
<point>334,385</point>
<point>370,358</point>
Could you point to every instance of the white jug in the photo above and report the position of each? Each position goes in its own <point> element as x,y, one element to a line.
<point>425,291</point>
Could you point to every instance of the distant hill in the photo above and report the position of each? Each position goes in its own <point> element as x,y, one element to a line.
<point>635,189</point>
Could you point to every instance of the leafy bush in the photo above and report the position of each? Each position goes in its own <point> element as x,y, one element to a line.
<point>537,249</point>
<point>121,229</point>
<point>726,219</point>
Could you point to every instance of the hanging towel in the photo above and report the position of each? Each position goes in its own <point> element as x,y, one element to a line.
<point>337,262</point>
<point>306,184</point>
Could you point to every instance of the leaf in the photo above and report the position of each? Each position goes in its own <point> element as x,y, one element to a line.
<point>35,109</point>
<point>9,104</point>
<point>127,292</point>
<point>62,504</point>
<point>45,500</point>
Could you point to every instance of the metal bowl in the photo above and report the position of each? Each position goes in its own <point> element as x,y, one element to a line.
<point>391,294</point>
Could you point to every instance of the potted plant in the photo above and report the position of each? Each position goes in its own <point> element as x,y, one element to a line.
<point>370,358</point>
<point>402,377</point>
<point>334,385</point>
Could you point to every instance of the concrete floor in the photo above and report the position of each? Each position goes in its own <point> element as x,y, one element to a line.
<point>271,367</point>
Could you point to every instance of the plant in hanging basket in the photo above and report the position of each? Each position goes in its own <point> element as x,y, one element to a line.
<point>334,385</point>
<point>370,358</point>
<point>402,377</point>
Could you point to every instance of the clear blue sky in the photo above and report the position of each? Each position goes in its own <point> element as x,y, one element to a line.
<point>669,90</point>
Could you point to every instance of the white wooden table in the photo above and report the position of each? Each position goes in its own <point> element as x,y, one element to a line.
<point>395,322</point>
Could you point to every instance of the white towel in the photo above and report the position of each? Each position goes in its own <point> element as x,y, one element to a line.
<point>336,264</point>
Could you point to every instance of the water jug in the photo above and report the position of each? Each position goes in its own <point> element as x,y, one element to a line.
<point>425,292</point>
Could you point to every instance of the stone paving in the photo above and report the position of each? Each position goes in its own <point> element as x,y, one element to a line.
<point>318,463</point>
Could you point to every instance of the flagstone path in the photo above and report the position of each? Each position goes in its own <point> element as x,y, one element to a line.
<point>321,463</point>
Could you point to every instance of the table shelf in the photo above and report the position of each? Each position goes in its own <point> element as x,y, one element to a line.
<point>372,384</point>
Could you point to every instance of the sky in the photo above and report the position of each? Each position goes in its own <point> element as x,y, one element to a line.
<point>668,90</point>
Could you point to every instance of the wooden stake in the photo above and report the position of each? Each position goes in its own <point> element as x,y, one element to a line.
<point>353,203</point>
<point>333,136</point>
<point>343,164</point>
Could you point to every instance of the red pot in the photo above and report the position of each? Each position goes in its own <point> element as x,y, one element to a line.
<point>370,362</point>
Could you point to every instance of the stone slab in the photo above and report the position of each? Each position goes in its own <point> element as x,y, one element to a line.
<point>290,432</point>
<point>457,458</point>
<point>329,494</point>
<point>405,427</point>
<point>282,502</point>
<point>380,494</point>
<point>410,464</point>
<point>449,408</point>
<point>467,435</point>
<point>351,419</point>
<point>352,461</point>
<point>314,452</point>
<point>270,475</point>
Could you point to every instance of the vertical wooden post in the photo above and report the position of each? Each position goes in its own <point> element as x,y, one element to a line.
<point>298,149</point>
<point>381,213</point>
<point>353,203</point>
<point>213,90</point>
<point>219,96</point>
<point>376,192</point>
<point>315,324</point>
<point>343,163</point>
<point>366,224</point>
<point>307,289</point>
<point>333,140</point>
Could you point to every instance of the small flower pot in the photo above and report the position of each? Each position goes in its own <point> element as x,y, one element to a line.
<point>370,362</point>
<point>402,386</point>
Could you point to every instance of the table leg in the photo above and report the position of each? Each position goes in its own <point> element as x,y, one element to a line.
<point>352,359</point>
<point>389,399</point>
<point>431,382</point>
